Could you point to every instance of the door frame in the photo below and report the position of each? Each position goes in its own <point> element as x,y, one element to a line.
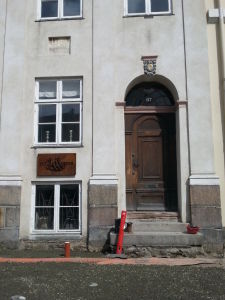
<point>182,140</point>
<point>154,110</point>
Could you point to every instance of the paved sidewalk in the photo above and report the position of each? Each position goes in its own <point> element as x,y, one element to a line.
<point>116,261</point>
<point>110,279</point>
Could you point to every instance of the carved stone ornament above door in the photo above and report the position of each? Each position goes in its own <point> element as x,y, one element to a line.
<point>149,64</point>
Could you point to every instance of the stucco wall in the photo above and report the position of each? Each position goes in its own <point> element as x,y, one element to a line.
<point>12,76</point>
<point>39,63</point>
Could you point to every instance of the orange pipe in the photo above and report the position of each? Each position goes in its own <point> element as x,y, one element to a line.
<point>67,249</point>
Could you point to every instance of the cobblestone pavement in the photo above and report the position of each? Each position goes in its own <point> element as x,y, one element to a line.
<point>103,278</point>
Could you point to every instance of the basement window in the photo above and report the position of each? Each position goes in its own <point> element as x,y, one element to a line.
<point>56,207</point>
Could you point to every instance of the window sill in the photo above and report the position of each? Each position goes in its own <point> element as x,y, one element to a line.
<point>150,16</point>
<point>60,19</point>
<point>74,235</point>
<point>57,146</point>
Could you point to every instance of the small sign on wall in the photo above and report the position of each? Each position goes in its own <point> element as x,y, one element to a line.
<point>60,164</point>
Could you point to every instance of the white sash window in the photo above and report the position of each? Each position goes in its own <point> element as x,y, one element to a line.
<point>59,9</point>
<point>58,112</point>
<point>56,207</point>
<point>149,7</point>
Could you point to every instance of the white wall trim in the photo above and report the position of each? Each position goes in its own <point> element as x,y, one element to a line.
<point>208,179</point>
<point>10,181</point>
<point>104,180</point>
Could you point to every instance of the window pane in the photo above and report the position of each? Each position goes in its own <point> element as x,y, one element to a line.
<point>44,195</point>
<point>69,195</point>
<point>69,218</point>
<point>46,133</point>
<point>49,9</point>
<point>71,8</point>
<point>70,112</point>
<point>44,218</point>
<point>70,132</point>
<point>136,6</point>
<point>47,113</point>
<point>159,5</point>
<point>47,90</point>
<point>71,89</point>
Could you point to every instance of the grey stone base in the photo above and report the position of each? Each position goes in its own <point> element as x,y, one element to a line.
<point>9,216</point>
<point>170,252</point>
<point>9,244</point>
<point>206,213</point>
<point>99,238</point>
<point>102,213</point>
<point>205,206</point>
<point>213,241</point>
<point>53,244</point>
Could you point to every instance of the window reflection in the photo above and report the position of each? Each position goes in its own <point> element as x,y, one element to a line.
<point>47,89</point>
<point>44,211</point>
<point>159,5</point>
<point>136,6</point>
<point>71,89</point>
<point>49,8</point>
<point>71,8</point>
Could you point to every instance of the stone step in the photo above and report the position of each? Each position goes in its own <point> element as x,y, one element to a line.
<point>147,239</point>
<point>156,226</point>
<point>153,215</point>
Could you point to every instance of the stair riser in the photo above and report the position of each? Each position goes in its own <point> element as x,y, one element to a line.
<point>173,240</point>
<point>154,227</point>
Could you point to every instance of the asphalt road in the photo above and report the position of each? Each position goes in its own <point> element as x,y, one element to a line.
<point>88,281</point>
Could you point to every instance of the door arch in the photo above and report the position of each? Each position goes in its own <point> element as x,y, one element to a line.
<point>150,138</point>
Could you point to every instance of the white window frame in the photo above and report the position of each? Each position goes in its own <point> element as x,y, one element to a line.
<point>147,9</point>
<point>60,11</point>
<point>58,102</point>
<point>56,220</point>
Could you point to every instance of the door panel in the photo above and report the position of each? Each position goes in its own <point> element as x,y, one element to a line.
<point>150,162</point>
<point>129,177</point>
<point>131,204</point>
<point>150,158</point>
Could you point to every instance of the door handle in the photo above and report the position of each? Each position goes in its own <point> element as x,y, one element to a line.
<point>134,164</point>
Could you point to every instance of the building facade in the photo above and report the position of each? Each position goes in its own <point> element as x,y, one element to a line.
<point>104,106</point>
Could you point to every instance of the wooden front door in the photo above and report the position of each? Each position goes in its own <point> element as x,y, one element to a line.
<point>150,153</point>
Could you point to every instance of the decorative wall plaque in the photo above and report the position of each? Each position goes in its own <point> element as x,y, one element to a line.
<point>60,164</point>
<point>59,45</point>
<point>149,64</point>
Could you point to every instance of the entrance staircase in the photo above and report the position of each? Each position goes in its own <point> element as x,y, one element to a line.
<point>158,234</point>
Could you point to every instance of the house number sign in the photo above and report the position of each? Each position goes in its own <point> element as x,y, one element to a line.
<point>60,164</point>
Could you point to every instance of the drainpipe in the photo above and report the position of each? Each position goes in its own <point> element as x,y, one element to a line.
<point>222,44</point>
<point>222,57</point>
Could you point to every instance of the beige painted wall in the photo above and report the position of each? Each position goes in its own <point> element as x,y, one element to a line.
<point>216,101</point>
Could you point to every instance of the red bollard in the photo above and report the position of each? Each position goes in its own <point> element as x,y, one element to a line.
<point>67,249</point>
<point>119,247</point>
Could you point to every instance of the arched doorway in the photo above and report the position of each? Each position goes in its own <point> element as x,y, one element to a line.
<point>150,131</point>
